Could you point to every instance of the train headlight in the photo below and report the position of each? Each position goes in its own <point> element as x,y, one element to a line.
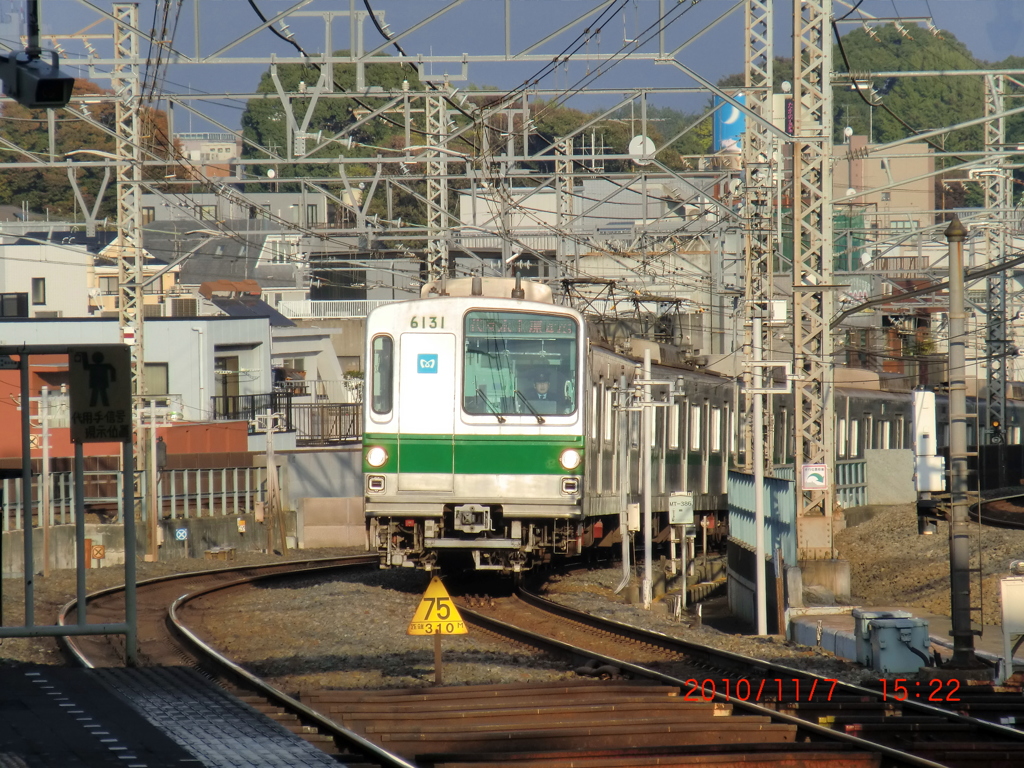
<point>376,456</point>
<point>570,458</point>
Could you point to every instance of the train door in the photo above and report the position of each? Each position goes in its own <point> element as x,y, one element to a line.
<point>426,412</point>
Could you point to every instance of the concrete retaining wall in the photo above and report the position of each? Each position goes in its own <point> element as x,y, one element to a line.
<point>331,523</point>
<point>890,476</point>
<point>335,473</point>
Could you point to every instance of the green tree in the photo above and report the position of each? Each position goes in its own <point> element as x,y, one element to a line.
<point>47,189</point>
<point>264,121</point>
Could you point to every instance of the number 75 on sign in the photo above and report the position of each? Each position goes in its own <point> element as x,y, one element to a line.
<point>436,614</point>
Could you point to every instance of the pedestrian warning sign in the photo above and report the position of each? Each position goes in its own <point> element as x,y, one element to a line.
<point>100,380</point>
<point>437,614</point>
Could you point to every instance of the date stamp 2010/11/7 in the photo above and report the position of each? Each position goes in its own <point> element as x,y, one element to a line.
<point>768,689</point>
<point>793,690</point>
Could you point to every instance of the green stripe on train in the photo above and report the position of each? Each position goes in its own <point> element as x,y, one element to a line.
<point>475,454</point>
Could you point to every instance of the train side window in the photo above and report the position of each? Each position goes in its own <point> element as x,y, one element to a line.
<point>595,394</point>
<point>673,426</point>
<point>383,374</point>
<point>716,429</point>
<point>608,395</point>
<point>694,427</point>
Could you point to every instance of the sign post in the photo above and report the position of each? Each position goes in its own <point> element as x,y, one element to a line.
<point>100,395</point>
<point>436,615</point>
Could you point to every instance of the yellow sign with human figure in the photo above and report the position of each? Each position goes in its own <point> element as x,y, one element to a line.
<point>436,614</point>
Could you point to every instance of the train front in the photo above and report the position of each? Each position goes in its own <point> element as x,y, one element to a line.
<point>473,446</point>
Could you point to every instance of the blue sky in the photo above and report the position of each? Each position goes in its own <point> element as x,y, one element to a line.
<point>991,29</point>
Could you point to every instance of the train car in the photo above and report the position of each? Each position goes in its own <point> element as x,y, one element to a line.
<point>493,433</point>
<point>464,457</point>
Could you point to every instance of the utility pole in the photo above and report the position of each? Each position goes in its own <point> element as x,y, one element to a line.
<point>44,475</point>
<point>959,534</point>
<point>269,423</point>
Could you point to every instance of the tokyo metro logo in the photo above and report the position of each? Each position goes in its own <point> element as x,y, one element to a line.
<point>426,363</point>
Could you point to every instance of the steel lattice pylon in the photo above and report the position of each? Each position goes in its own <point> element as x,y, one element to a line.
<point>813,299</point>
<point>125,83</point>
<point>998,201</point>
<point>437,187</point>
<point>759,176</point>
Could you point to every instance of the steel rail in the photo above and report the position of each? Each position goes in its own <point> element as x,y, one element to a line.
<point>721,659</point>
<point>714,655</point>
<point>223,665</point>
<point>975,511</point>
<point>558,647</point>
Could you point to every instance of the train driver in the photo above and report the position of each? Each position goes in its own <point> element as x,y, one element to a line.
<point>543,398</point>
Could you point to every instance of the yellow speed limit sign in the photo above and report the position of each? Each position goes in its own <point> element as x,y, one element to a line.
<point>436,614</point>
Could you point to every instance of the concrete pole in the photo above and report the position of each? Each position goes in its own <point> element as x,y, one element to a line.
<point>757,446</point>
<point>623,458</point>
<point>44,475</point>
<point>152,548</point>
<point>26,491</point>
<point>646,422</point>
<point>959,541</point>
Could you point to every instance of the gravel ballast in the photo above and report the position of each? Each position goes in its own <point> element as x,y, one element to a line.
<point>350,632</point>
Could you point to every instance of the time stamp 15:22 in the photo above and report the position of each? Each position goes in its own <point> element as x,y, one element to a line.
<point>791,690</point>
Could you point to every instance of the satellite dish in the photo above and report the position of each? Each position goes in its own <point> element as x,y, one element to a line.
<point>640,150</point>
<point>271,173</point>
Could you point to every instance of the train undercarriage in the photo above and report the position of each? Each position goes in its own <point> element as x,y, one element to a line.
<point>473,535</point>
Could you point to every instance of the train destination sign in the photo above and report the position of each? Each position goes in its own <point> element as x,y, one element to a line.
<point>436,614</point>
<point>518,324</point>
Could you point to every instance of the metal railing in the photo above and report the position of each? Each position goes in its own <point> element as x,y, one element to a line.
<point>248,407</point>
<point>329,308</point>
<point>850,477</point>
<point>327,423</point>
<point>181,493</point>
<point>322,390</point>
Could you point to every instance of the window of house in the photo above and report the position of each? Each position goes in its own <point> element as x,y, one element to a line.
<point>38,290</point>
<point>311,215</point>
<point>886,197</point>
<point>108,285</point>
<point>155,378</point>
<point>208,212</point>
<point>148,214</point>
<point>13,305</point>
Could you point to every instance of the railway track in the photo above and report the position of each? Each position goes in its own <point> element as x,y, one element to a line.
<point>910,732</point>
<point>164,640</point>
<point>1006,512</point>
<point>667,703</point>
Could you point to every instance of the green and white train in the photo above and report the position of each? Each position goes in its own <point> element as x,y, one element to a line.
<point>465,463</point>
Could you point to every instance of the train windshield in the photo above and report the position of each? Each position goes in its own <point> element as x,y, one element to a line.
<point>520,363</point>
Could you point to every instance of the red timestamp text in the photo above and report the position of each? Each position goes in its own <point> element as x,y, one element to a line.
<point>934,691</point>
<point>777,689</point>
